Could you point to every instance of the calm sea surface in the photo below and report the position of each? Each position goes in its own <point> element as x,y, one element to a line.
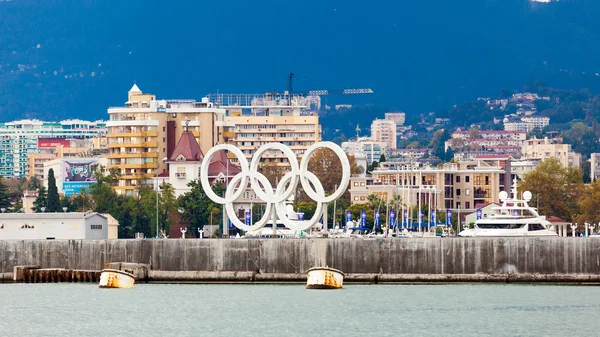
<point>291,310</point>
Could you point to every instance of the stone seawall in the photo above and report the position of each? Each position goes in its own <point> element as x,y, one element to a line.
<point>373,258</point>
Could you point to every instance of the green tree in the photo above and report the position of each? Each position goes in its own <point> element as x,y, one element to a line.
<point>589,204</point>
<point>41,200</point>
<point>53,200</point>
<point>555,188</point>
<point>5,197</point>
<point>197,205</point>
<point>167,206</point>
<point>82,202</point>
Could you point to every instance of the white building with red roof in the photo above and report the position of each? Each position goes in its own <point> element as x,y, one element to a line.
<point>186,160</point>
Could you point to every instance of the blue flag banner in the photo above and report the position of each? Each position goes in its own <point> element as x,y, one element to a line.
<point>478,214</point>
<point>392,218</point>
<point>348,216</point>
<point>301,216</point>
<point>230,224</point>
<point>420,217</point>
<point>515,212</point>
<point>363,218</point>
<point>449,217</point>
<point>377,221</point>
<point>405,220</point>
<point>247,218</point>
<point>433,220</point>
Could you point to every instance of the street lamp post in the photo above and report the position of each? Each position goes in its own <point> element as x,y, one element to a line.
<point>458,219</point>
<point>157,190</point>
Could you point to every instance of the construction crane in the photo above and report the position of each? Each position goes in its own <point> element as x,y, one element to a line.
<point>325,92</point>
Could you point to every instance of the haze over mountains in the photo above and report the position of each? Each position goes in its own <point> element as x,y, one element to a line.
<point>74,58</point>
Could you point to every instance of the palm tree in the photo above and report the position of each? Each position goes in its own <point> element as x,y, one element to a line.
<point>373,201</point>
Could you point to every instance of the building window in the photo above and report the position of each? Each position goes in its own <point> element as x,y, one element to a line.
<point>362,198</point>
<point>355,198</point>
<point>362,183</point>
<point>458,179</point>
<point>458,191</point>
<point>96,227</point>
<point>467,179</point>
<point>467,204</point>
<point>355,184</point>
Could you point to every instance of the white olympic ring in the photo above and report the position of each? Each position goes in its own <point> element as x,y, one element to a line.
<point>277,198</point>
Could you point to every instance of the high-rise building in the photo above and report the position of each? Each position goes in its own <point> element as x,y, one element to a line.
<point>280,124</point>
<point>384,130</point>
<point>398,117</point>
<point>594,166</point>
<point>143,134</point>
<point>20,138</point>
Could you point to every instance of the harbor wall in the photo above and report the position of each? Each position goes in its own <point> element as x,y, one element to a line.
<point>392,256</point>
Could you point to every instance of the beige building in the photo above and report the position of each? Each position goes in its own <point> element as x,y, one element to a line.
<point>384,130</point>
<point>56,149</point>
<point>543,149</point>
<point>296,131</point>
<point>594,166</point>
<point>143,133</point>
<point>452,186</point>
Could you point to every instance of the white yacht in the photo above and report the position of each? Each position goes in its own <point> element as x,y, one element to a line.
<point>513,218</point>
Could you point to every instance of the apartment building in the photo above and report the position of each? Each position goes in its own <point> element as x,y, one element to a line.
<point>52,148</point>
<point>398,117</point>
<point>542,149</point>
<point>594,166</point>
<point>20,138</point>
<point>289,127</point>
<point>142,135</point>
<point>365,148</point>
<point>384,131</point>
<point>451,186</point>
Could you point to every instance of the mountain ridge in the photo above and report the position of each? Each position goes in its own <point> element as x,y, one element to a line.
<point>77,58</point>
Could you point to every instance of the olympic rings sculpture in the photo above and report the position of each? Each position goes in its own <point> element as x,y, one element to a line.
<point>275,199</point>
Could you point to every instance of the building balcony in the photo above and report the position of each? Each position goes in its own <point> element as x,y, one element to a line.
<point>132,134</point>
<point>180,175</point>
<point>133,155</point>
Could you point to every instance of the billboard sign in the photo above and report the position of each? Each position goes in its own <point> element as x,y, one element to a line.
<point>77,175</point>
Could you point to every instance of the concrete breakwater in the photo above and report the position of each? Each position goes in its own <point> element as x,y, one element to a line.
<point>364,260</point>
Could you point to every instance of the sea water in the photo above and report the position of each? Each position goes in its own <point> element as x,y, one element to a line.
<point>292,310</point>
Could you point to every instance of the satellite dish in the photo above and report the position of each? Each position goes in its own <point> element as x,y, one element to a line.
<point>503,195</point>
<point>527,195</point>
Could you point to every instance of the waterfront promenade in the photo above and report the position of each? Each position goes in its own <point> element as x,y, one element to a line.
<point>363,260</point>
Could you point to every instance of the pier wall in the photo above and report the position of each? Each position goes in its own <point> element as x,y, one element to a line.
<point>448,256</point>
